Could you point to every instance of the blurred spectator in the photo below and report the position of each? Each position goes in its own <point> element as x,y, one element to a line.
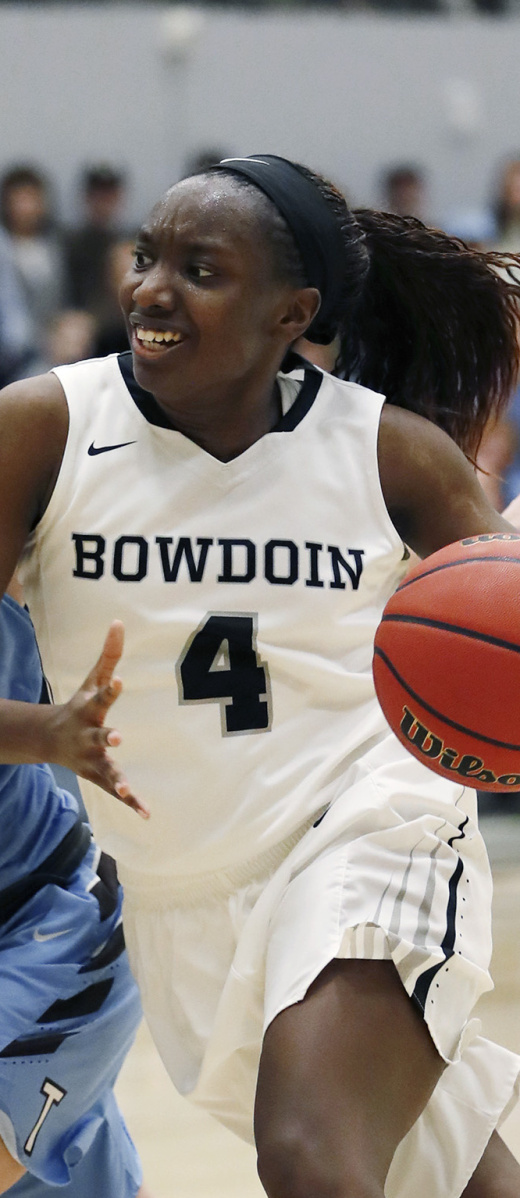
<point>474,225</point>
<point>500,456</point>
<point>495,459</point>
<point>103,193</point>
<point>500,451</point>
<point>111,336</point>
<point>403,190</point>
<point>19,355</point>
<point>506,207</point>
<point>71,337</point>
<point>511,486</point>
<point>27,216</point>
<point>497,225</point>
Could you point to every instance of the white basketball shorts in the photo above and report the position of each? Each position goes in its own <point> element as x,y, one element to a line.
<point>395,869</point>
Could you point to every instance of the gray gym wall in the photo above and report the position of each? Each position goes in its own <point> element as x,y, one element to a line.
<point>144,86</point>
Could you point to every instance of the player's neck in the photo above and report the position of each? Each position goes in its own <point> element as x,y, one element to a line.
<point>226,427</point>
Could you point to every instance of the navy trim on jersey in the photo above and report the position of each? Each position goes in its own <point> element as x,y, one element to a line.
<point>55,870</point>
<point>423,984</point>
<point>109,953</point>
<point>36,1046</point>
<point>153,413</point>
<point>85,1002</point>
<point>312,380</point>
<point>144,400</point>
<point>106,889</point>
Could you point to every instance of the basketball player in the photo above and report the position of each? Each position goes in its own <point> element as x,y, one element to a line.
<point>308,908</point>
<point>70,1007</point>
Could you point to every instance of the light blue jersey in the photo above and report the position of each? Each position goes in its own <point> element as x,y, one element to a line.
<point>35,814</point>
<point>70,1007</point>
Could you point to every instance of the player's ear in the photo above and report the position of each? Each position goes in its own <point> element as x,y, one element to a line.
<point>300,310</point>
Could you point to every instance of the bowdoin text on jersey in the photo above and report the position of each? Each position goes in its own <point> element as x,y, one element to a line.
<point>231,559</point>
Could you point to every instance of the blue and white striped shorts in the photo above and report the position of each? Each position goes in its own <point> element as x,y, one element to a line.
<point>70,1011</point>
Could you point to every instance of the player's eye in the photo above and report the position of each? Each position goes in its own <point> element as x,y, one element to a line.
<point>141,259</point>
<point>199,272</point>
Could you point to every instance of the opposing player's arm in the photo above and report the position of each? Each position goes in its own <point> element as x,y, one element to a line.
<point>431,491</point>
<point>10,1170</point>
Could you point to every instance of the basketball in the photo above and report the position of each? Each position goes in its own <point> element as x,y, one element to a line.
<point>447,662</point>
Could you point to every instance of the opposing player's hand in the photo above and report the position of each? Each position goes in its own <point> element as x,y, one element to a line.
<point>81,736</point>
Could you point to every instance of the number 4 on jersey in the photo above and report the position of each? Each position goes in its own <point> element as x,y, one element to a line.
<point>220,664</point>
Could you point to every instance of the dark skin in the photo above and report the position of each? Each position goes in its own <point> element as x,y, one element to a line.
<point>200,274</point>
<point>205,284</point>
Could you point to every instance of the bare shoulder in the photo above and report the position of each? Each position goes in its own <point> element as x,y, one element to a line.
<point>430,488</point>
<point>33,434</point>
<point>41,396</point>
<point>34,419</point>
<point>409,442</point>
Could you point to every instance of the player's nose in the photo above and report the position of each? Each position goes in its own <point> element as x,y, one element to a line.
<point>155,288</point>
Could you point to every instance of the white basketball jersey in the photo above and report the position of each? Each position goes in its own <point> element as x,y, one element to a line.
<point>250,592</point>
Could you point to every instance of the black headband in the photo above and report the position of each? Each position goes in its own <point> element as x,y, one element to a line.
<point>316,233</point>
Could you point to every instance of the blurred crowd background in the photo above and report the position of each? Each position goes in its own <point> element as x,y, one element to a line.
<point>409,105</point>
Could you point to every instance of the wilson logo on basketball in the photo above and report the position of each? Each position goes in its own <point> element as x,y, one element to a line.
<point>448,646</point>
<point>485,537</point>
<point>464,764</point>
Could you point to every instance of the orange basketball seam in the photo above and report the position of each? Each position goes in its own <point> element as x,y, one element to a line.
<point>460,561</point>
<point>430,622</point>
<point>479,736</point>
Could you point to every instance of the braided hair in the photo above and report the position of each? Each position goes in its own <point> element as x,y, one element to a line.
<point>427,320</point>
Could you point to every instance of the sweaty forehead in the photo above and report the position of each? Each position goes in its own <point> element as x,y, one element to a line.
<point>207,206</point>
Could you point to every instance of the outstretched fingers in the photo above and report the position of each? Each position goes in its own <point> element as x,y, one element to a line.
<point>101,675</point>
<point>105,772</point>
<point>108,775</point>
<point>101,700</point>
<point>99,691</point>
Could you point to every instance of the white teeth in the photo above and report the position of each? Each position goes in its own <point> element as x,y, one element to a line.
<point>157,335</point>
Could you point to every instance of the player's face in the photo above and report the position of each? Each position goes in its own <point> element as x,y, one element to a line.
<point>203,309</point>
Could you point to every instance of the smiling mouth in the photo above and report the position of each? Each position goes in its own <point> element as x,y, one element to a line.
<point>156,340</point>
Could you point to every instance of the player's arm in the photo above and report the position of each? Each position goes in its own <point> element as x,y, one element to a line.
<point>10,1170</point>
<point>33,434</point>
<point>431,491</point>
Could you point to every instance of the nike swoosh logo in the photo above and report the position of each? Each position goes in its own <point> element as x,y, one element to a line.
<point>94,449</point>
<point>49,935</point>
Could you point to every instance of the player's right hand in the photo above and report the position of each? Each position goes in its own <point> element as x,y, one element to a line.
<point>80,737</point>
